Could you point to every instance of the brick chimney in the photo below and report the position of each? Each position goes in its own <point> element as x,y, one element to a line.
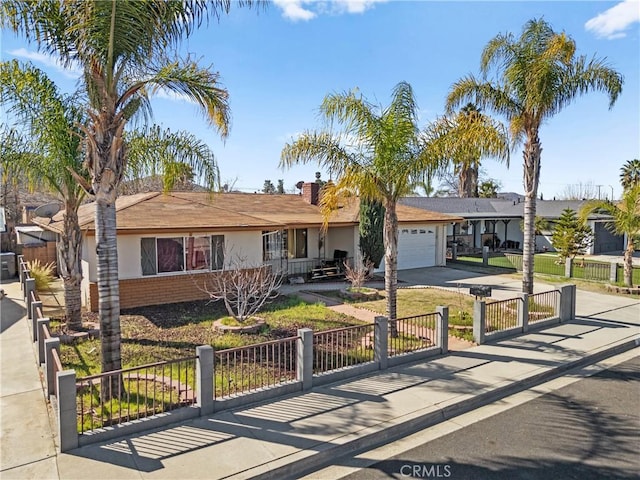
<point>310,192</point>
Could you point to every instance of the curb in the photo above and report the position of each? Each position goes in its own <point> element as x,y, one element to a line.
<point>436,414</point>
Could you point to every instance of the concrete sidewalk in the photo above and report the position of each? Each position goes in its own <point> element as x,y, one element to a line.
<point>292,435</point>
<point>27,440</point>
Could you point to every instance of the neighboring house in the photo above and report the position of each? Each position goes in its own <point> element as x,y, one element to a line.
<point>166,240</point>
<point>497,222</point>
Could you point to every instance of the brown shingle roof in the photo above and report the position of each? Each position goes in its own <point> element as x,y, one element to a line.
<point>194,211</point>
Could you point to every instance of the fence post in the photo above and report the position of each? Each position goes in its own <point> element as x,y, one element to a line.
<point>67,413</point>
<point>29,286</point>
<point>34,318</point>
<point>50,344</point>
<point>304,358</point>
<point>454,251</point>
<point>442,328</point>
<point>567,303</point>
<point>204,378</point>
<point>20,272</point>
<point>381,342</point>
<point>485,255</point>
<point>479,321</point>
<point>42,323</point>
<point>613,272</point>
<point>523,312</point>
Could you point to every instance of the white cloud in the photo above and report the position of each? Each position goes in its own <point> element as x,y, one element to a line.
<point>612,23</point>
<point>171,95</point>
<point>47,61</point>
<point>308,9</point>
<point>293,10</point>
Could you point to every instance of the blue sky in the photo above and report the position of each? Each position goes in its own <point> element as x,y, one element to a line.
<point>278,65</point>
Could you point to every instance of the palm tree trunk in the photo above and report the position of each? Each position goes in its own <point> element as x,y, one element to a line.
<point>628,261</point>
<point>70,254</point>
<point>473,181</point>
<point>532,150</point>
<point>391,262</point>
<point>109,296</point>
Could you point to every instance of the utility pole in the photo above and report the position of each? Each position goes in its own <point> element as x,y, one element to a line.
<point>599,198</point>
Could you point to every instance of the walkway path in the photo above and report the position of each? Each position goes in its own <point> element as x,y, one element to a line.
<point>28,449</point>
<point>455,343</point>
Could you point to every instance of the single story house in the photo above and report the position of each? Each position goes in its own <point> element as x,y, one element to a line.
<point>166,240</point>
<point>497,222</point>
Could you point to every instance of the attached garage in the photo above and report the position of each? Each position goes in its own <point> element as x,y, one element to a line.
<point>417,246</point>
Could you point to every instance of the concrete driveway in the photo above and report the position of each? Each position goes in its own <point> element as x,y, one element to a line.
<point>507,286</point>
<point>503,286</point>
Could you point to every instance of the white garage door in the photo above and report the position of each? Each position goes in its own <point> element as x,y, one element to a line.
<point>416,247</point>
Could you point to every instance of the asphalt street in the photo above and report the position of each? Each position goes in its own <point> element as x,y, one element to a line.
<point>589,429</point>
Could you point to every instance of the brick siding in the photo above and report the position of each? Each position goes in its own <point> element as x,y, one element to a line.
<point>140,292</point>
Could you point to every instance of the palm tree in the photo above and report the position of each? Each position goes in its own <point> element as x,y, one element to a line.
<point>464,139</point>
<point>172,157</point>
<point>49,121</point>
<point>538,75</point>
<point>377,155</point>
<point>55,151</point>
<point>630,174</point>
<point>626,221</point>
<point>124,49</point>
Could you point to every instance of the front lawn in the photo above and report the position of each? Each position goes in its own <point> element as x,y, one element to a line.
<point>165,332</point>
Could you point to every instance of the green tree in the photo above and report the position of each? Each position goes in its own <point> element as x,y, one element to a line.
<point>626,221</point>
<point>268,187</point>
<point>630,174</point>
<point>176,158</point>
<point>570,236</point>
<point>371,229</point>
<point>488,189</point>
<point>538,75</point>
<point>464,139</point>
<point>382,160</point>
<point>125,50</point>
<point>280,187</point>
<point>49,150</point>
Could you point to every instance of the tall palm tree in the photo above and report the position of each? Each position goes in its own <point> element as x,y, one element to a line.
<point>55,150</point>
<point>173,157</point>
<point>538,74</point>
<point>377,154</point>
<point>464,139</point>
<point>630,174</point>
<point>125,50</point>
<point>626,221</point>
<point>51,149</point>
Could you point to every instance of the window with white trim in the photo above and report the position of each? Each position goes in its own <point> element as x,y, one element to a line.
<point>179,254</point>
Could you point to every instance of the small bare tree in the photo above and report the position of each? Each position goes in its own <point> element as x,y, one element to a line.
<point>358,274</point>
<point>243,287</point>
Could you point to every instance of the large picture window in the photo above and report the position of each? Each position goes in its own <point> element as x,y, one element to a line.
<point>178,254</point>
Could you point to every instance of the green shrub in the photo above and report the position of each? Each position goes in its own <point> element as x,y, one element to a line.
<point>41,273</point>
